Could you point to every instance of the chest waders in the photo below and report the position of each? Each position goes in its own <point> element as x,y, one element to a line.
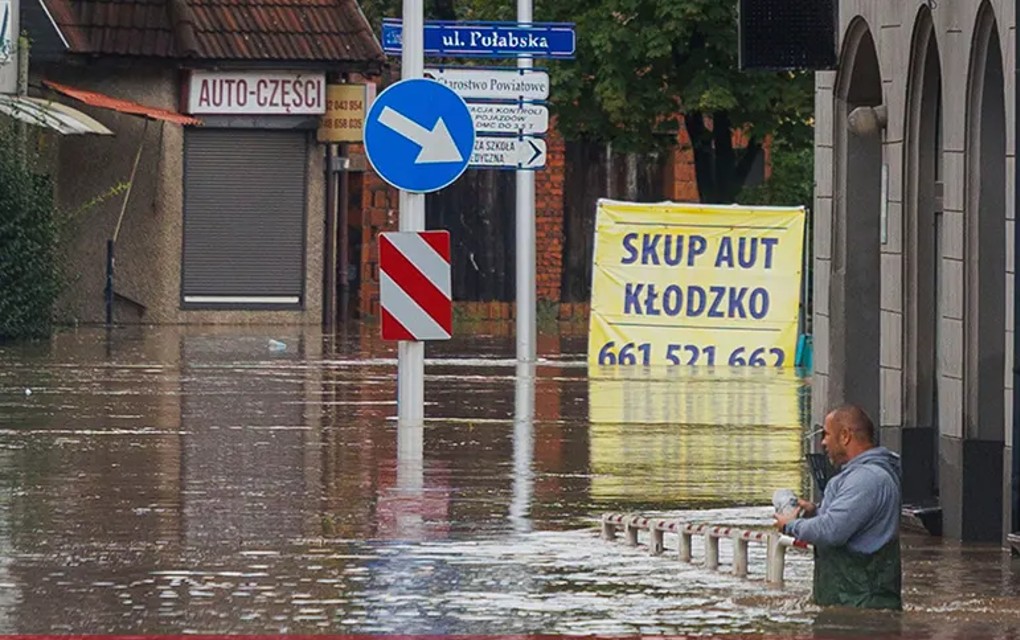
<point>849,579</point>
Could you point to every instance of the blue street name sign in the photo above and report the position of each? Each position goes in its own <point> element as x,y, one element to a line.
<point>488,39</point>
<point>419,135</point>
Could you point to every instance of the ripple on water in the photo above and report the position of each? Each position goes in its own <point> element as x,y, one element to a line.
<point>186,480</point>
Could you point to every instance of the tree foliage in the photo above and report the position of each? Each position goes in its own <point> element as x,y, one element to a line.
<point>646,68</point>
<point>30,276</point>
<point>792,181</point>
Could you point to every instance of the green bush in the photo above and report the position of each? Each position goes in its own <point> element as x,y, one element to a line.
<point>30,231</point>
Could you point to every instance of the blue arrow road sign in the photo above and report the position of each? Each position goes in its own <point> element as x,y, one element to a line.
<point>419,135</point>
<point>488,39</point>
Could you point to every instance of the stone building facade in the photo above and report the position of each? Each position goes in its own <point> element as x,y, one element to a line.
<point>225,218</point>
<point>915,247</point>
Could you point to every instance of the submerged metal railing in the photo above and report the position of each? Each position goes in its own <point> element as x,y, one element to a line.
<point>776,543</point>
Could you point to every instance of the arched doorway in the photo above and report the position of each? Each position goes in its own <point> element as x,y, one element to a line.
<point>921,252</point>
<point>855,279</point>
<point>973,471</point>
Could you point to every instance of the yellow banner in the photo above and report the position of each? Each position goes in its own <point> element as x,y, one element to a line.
<point>690,284</point>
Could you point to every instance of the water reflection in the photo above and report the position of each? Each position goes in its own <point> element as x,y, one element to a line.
<point>9,591</point>
<point>524,447</point>
<point>248,452</point>
<point>200,480</point>
<point>408,506</point>
<point>696,436</point>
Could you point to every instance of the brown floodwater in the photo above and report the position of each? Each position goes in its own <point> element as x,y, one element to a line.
<point>208,480</point>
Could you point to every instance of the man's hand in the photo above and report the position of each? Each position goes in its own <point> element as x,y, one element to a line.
<point>808,509</point>
<point>783,519</point>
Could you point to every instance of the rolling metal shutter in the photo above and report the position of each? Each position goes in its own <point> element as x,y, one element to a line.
<point>244,218</point>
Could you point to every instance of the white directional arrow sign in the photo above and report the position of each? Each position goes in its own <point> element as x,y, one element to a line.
<point>509,153</point>
<point>494,84</point>
<point>509,118</point>
<point>436,145</point>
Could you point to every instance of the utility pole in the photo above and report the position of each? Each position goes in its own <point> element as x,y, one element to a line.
<point>330,248</point>
<point>525,232</point>
<point>344,195</point>
<point>411,354</point>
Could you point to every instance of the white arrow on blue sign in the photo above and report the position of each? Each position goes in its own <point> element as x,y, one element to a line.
<point>419,135</point>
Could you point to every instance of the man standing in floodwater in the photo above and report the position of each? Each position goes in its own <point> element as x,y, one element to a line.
<point>855,529</point>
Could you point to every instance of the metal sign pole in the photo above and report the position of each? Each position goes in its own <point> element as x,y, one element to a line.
<point>411,355</point>
<point>526,326</point>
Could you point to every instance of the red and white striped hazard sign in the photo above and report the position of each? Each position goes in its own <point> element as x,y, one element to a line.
<point>414,285</point>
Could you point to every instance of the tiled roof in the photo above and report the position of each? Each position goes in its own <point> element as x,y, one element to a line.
<point>287,30</point>
<point>284,29</point>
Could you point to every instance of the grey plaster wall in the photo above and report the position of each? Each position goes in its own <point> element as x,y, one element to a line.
<point>892,26</point>
<point>148,266</point>
<point>823,212</point>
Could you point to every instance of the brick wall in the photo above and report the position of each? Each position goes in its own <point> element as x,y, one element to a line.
<point>379,213</point>
<point>381,204</point>
<point>380,207</point>
<point>549,220</point>
<point>684,185</point>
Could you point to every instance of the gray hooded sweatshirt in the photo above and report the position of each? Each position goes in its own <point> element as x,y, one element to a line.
<point>860,508</point>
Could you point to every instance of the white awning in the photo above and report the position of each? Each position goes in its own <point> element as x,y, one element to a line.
<point>52,115</point>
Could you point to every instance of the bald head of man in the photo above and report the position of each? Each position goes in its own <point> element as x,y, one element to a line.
<point>848,432</point>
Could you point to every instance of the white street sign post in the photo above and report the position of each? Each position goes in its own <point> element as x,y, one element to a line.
<point>525,231</point>
<point>526,39</point>
<point>494,84</point>
<point>509,118</point>
<point>411,355</point>
<point>525,154</point>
